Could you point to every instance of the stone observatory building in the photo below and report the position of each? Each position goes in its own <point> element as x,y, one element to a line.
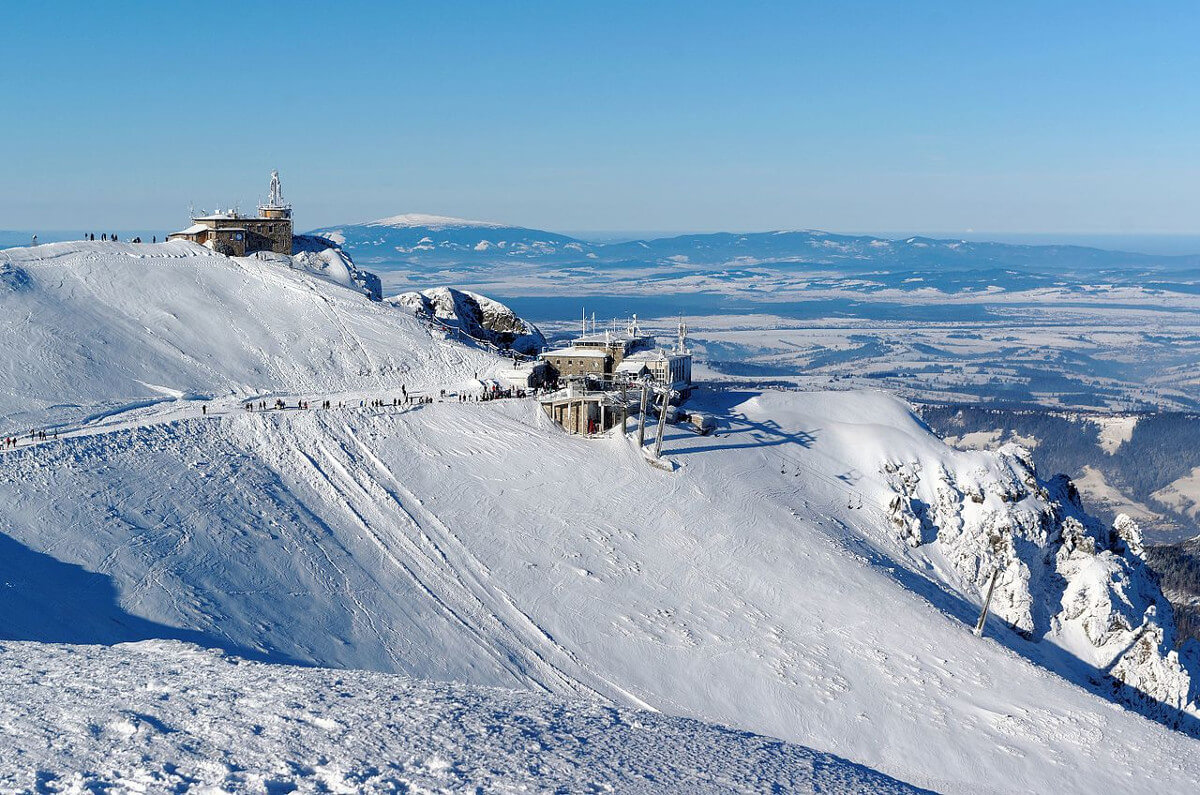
<point>237,235</point>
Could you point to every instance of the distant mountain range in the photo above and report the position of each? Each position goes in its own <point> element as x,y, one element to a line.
<point>428,239</point>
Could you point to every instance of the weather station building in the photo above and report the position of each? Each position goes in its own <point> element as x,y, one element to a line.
<point>237,235</point>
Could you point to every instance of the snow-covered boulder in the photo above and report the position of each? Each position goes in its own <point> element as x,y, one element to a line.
<point>326,258</point>
<point>476,316</point>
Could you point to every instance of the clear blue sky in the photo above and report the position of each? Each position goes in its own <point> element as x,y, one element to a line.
<point>849,116</point>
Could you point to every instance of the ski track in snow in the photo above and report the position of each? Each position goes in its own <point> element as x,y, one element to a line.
<point>402,478</point>
<point>759,585</point>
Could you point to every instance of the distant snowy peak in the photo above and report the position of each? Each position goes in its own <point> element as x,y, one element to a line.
<point>433,222</point>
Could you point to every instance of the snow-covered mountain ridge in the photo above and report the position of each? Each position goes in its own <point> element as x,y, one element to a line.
<point>1062,578</point>
<point>769,583</point>
<point>416,238</point>
<point>435,222</point>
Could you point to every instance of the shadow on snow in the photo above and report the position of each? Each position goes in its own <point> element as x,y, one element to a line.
<point>46,600</point>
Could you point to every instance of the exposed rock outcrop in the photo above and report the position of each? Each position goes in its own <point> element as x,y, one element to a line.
<point>1065,579</point>
<point>475,315</point>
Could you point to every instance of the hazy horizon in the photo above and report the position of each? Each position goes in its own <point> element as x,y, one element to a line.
<point>1160,244</point>
<point>622,117</point>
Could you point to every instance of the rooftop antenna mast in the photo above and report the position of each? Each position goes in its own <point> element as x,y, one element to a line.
<point>634,330</point>
<point>276,198</point>
<point>681,344</point>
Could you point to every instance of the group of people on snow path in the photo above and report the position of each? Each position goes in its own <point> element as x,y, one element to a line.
<point>10,442</point>
<point>280,405</point>
<point>495,393</point>
<point>104,236</point>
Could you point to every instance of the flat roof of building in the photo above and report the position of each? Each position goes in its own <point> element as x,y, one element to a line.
<point>611,339</point>
<point>656,354</point>
<point>572,351</point>
<point>232,217</point>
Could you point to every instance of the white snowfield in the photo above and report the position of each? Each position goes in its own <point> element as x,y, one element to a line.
<point>811,572</point>
<point>160,716</point>
<point>94,328</point>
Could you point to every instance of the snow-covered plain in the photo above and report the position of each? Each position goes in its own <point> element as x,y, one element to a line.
<point>809,573</point>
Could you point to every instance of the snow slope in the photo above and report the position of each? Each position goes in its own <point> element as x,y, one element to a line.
<point>468,542</point>
<point>159,716</point>
<point>93,328</point>
<point>810,572</point>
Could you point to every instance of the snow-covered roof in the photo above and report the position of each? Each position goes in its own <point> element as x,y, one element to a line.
<point>655,355</point>
<point>611,339</point>
<point>194,229</point>
<point>579,352</point>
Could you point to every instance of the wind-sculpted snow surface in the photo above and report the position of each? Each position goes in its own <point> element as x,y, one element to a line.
<point>1062,578</point>
<point>89,329</point>
<point>167,717</point>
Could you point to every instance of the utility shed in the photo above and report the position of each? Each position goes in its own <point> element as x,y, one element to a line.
<point>528,375</point>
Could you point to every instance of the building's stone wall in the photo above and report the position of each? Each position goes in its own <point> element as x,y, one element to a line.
<point>230,242</point>
<point>263,234</point>
<point>565,364</point>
